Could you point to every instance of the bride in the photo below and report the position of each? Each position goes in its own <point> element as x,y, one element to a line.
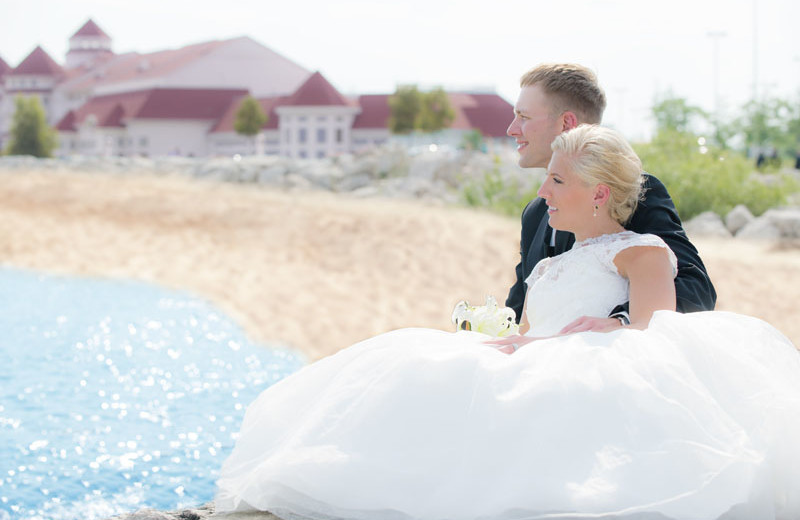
<point>676,416</point>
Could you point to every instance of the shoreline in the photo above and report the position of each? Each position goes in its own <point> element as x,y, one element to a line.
<point>308,269</point>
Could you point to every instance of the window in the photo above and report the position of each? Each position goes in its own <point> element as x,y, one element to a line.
<point>339,135</point>
<point>301,135</point>
<point>321,135</point>
<point>321,154</point>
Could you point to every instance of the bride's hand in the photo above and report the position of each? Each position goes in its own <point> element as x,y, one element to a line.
<point>586,323</point>
<point>509,344</point>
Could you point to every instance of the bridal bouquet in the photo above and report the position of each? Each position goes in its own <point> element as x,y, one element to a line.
<point>488,319</point>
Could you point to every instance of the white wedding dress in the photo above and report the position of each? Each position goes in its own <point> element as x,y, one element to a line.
<point>698,417</point>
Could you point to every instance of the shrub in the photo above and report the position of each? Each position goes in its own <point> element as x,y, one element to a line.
<point>701,178</point>
<point>492,191</point>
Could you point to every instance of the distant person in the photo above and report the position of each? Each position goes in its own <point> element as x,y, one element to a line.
<point>760,160</point>
<point>558,97</point>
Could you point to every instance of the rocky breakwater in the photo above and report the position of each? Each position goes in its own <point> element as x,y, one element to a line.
<point>194,513</point>
<point>778,225</point>
<point>436,174</point>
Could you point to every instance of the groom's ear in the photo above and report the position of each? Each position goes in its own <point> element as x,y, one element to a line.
<point>569,121</point>
<point>601,194</point>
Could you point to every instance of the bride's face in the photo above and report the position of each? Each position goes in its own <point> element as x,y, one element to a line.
<point>570,201</point>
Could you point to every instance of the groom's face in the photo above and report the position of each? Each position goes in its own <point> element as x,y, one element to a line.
<point>534,127</point>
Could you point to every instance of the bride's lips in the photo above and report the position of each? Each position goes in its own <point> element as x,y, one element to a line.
<point>521,145</point>
<point>551,210</point>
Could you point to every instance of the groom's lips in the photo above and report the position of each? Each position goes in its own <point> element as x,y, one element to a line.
<point>521,145</point>
<point>551,210</point>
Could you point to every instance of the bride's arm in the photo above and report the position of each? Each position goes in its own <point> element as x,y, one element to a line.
<point>652,286</point>
<point>524,324</point>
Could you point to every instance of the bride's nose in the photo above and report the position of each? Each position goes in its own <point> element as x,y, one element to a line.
<point>543,191</point>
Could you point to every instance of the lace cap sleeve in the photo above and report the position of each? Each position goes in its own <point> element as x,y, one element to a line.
<point>538,270</point>
<point>625,240</point>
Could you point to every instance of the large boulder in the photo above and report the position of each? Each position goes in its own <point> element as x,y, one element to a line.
<point>738,218</point>
<point>760,228</point>
<point>707,224</point>
<point>776,224</point>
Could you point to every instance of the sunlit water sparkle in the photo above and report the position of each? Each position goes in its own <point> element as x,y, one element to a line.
<point>116,395</point>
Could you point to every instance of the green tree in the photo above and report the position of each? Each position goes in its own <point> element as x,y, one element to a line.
<point>436,113</point>
<point>30,133</point>
<point>250,117</point>
<point>675,113</point>
<point>405,105</point>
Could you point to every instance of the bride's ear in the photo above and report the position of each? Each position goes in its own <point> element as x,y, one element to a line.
<point>601,194</point>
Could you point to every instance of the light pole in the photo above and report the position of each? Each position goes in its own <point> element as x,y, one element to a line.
<point>715,36</point>
<point>755,50</point>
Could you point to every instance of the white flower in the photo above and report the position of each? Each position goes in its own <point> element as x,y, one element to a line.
<point>488,319</point>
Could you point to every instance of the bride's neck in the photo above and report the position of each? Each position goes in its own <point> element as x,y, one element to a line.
<point>598,227</point>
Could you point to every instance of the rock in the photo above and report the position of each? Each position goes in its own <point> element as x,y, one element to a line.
<point>272,175</point>
<point>198,513</point>
<point>760,229</point>
<point>707,224</point>
<point>776,224</point>
<point>355,181</point>
<point>738,218</point>
<point>787,220</point>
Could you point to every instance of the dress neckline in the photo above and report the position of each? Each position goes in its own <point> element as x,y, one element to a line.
<point>600,238</point>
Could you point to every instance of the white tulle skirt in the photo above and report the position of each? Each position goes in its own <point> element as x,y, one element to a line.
<point>698,417</point>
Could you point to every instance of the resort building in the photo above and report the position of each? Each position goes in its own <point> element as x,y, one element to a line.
<point>184,102</point>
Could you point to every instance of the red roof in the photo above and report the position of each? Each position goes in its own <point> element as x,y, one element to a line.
<point>112,110</point>
<point>488,113</point>
<point>67,123</point>
<point>375,111</point>
<point>4,68</point>
<point>38,62</point>
<point>90,29</point>
<point>188,103</point>
<point>316,91</point>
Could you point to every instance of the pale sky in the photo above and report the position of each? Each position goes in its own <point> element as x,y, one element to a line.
<point>639,48</point>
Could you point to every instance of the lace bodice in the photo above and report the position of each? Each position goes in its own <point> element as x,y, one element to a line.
<point>582,281</point>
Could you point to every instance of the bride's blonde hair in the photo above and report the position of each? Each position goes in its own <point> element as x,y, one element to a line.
<point>600,155</point>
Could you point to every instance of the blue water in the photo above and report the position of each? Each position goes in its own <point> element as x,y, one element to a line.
<point>117,395</point>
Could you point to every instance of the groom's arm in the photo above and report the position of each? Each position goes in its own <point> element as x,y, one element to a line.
<point>656,214</point>
<point>518,291</point>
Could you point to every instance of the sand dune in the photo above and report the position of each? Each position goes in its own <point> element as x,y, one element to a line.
<point>312,270</point>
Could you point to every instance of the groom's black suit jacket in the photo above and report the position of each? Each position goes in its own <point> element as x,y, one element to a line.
<point>655,214</point>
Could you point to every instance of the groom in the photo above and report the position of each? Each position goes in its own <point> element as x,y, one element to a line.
<point>558,97</point>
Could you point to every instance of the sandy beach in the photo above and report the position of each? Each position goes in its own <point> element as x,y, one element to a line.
<point>313,270</point>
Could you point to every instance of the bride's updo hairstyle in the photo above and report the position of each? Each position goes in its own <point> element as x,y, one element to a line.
<point>600,155</point>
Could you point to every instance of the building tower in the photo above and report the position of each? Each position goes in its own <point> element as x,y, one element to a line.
<point>87,45</point>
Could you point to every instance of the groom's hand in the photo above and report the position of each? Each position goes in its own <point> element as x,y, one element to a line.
<point>509,344</point>
<point>586,323</point>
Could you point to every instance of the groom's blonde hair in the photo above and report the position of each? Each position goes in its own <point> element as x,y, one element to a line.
<point>600,155</point>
